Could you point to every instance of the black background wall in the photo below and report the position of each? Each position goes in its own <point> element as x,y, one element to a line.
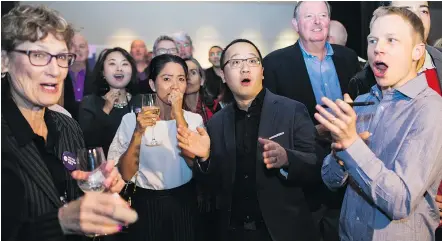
<point>356,16</point>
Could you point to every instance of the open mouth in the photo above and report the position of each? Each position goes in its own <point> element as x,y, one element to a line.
<point>119,77</point>
<point>317,30</point>
<point>245,82</point>
<point>379,68</point>
<point>49,87</point>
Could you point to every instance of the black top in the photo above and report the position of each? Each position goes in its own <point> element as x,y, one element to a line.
<point>23,131</point>
<point>213,82</point>
<point>143,86</point>
<point>245,206</point>
<point>98,127</point>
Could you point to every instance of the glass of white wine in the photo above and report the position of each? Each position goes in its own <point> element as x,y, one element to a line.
<point>90,160</point>
<point>149,105</point>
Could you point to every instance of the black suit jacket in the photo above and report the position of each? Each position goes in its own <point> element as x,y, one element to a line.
<point>30,200</point>
<point>281,200</point>
<point>285,73</point>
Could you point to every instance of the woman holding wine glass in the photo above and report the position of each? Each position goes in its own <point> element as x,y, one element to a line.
<point>164,195</point>
<point>39,192</point>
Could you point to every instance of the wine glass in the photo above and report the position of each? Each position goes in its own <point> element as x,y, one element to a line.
<point>149,105</point>
<point>90,160</point>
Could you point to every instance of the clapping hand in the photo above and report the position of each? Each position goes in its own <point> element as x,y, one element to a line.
<point>197,143</point>
<point>275,156</point>
<point>341,122</point>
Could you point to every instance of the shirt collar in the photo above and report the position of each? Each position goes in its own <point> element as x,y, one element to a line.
<point>257,102</point>
<point>413,87</point>
<point>328,47</point>
<point>18,124</point>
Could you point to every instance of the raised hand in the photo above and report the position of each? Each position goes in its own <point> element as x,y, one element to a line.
<point>146,118</point>
<point>197,143</point>
<point>110,98</point>
<point>274,154</point>
<point>341,123</point>
<point>176,99</point>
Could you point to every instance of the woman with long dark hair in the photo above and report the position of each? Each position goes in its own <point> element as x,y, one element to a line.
<point>101,113</point>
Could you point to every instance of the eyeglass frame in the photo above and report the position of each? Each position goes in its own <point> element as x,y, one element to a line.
<point>29,52</point>
<point>215,54</point>
<point>168,51</point>
<point>242,62</point>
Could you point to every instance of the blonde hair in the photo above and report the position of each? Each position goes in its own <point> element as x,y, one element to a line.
<point>29,23</point>
<point>407,15</point>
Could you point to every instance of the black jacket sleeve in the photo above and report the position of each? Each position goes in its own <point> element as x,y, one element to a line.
<point>15,224</point>
<point>303,161</point>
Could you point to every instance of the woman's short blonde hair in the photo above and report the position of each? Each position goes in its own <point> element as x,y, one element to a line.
<point>33,23</point>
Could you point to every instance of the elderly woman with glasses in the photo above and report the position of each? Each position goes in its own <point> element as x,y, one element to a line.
<point>39,190</point>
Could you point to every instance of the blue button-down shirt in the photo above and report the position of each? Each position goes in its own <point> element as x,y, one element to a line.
<point>322,74</point>
<point>393,178</point>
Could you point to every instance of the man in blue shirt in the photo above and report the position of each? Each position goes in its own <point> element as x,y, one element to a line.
<point>392,178</point>
<point>307,71</point>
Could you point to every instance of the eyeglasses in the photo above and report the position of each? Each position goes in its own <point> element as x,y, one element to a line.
<point>213,54</point>
<point>185,45</point>
<point>166,51</point>
<point>238,63</point>
<point>42,58</point>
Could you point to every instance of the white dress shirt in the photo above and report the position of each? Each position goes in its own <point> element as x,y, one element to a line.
<point>161,167</point>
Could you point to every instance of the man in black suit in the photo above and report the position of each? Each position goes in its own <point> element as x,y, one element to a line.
<point>306,71</point>
<point>258,181</point>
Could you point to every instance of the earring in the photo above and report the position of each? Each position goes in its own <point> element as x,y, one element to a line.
<point>4,74</point>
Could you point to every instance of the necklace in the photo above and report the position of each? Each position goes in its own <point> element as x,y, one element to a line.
<point>121,105</point>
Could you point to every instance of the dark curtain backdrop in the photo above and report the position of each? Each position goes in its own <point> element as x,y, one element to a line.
<point>355,16</point>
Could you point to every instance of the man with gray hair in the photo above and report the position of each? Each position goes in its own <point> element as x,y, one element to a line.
<point>306,71</point>
<point>184,43</point>
<point>165,45</point>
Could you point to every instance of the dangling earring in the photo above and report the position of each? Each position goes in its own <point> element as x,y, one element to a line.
<point>4,74</point>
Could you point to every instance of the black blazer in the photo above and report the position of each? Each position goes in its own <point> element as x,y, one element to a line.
<point>70,104</point>
<point>285,73</point>
<point>282,203</point>
<point>30,200</point>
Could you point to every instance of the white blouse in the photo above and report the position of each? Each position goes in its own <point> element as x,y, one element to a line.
<point>161,167</point>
